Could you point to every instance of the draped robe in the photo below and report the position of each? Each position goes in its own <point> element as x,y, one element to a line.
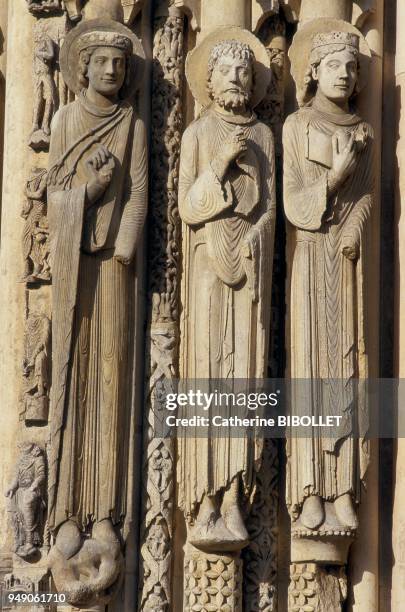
<point>93,309</point>
<point>326,306</point>
<point>226,299</point>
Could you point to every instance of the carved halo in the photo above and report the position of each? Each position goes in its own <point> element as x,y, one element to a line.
<point>300,49</point>
<point>197,64</point>
<point>70,52</point>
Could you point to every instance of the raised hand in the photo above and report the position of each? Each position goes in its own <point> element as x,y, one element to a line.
<point>232,147</point>
<point>343,156</point>
<point>100,166</point>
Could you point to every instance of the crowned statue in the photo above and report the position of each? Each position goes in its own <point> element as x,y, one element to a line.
<point>227,204</point>
<point>97,201</point>
<point>328,194</point>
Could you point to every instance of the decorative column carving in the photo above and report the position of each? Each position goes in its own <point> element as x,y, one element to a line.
<point>212,582</point>
<point>163,294</point>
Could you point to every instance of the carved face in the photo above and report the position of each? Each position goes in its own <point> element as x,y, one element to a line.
<point>106,70</point>
<point>231,82</point>
<point>337,75</point>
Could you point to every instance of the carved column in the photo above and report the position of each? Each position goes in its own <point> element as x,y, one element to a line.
<point>398,537</point>
<point>16,161</point>
<point>163,293</point>
<point>3,34</point>
<point>338,9</point>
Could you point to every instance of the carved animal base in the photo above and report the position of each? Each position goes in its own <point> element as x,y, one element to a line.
<point>316,589</point>
<point>91,575</point>
<point>212,581</point>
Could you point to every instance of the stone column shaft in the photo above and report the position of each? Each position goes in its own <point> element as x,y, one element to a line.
<point>337,9</point>
<point>398,536</point>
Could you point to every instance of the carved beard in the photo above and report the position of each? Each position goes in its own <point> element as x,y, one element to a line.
<point>232,101</point>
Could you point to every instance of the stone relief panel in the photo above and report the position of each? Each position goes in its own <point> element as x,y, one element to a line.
<point>36,369</point>
<point>35,238</point>
<point>27,500</point>
<point>49,90</point>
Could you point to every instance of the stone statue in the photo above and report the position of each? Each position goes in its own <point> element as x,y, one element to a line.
<point>328,191</point>
<point>36,368</point>
<point>227,202</point>
<point>35,237</point>
<point>45,92</point>
<point>97,200</point>
<point>27,499</point>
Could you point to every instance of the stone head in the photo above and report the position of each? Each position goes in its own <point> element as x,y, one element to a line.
<point>230,74</point>
<point>334,66</point>
<point>103,62</point>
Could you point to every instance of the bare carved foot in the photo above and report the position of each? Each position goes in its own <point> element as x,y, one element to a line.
<point>345,511</point>
<point>313,512</point>
<point>210,532</point>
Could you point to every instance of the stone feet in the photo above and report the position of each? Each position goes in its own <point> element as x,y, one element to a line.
<point>313,512</point>
<point>346,512</point>
<point>220,530</point>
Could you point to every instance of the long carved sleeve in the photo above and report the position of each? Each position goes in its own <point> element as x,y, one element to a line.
<point>304,205</point>
<point>200,199</point>
<point>135,208</point>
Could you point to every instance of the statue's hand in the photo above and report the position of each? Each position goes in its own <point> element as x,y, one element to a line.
<point>232,147</point>
<point>100,166</point>
<point>123,260</point>
<point>343,156</point>
<point>350,248</point>
<point>10,492</point>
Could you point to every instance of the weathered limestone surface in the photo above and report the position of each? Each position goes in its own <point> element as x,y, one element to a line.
<point>75,406</point>
<point>398,536</point>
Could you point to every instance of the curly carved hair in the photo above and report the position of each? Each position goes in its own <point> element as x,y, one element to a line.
<point>310,85</point>
<point>234,48</point>
<point>84,61</point>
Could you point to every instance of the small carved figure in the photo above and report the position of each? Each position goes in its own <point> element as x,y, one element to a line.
<point>36,368</point>
<point>35,237</point>
<point>27,499</point>
<point>43,7</point>
<point>227,201</point>
<point>45,91</point>
<point>328,194</point>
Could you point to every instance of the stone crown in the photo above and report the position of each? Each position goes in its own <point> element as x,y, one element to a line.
<point>335,38</point>
<point>105,39</point>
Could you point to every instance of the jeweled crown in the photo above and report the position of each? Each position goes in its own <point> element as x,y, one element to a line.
<point>335,38</point>
<point>105,39</point>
